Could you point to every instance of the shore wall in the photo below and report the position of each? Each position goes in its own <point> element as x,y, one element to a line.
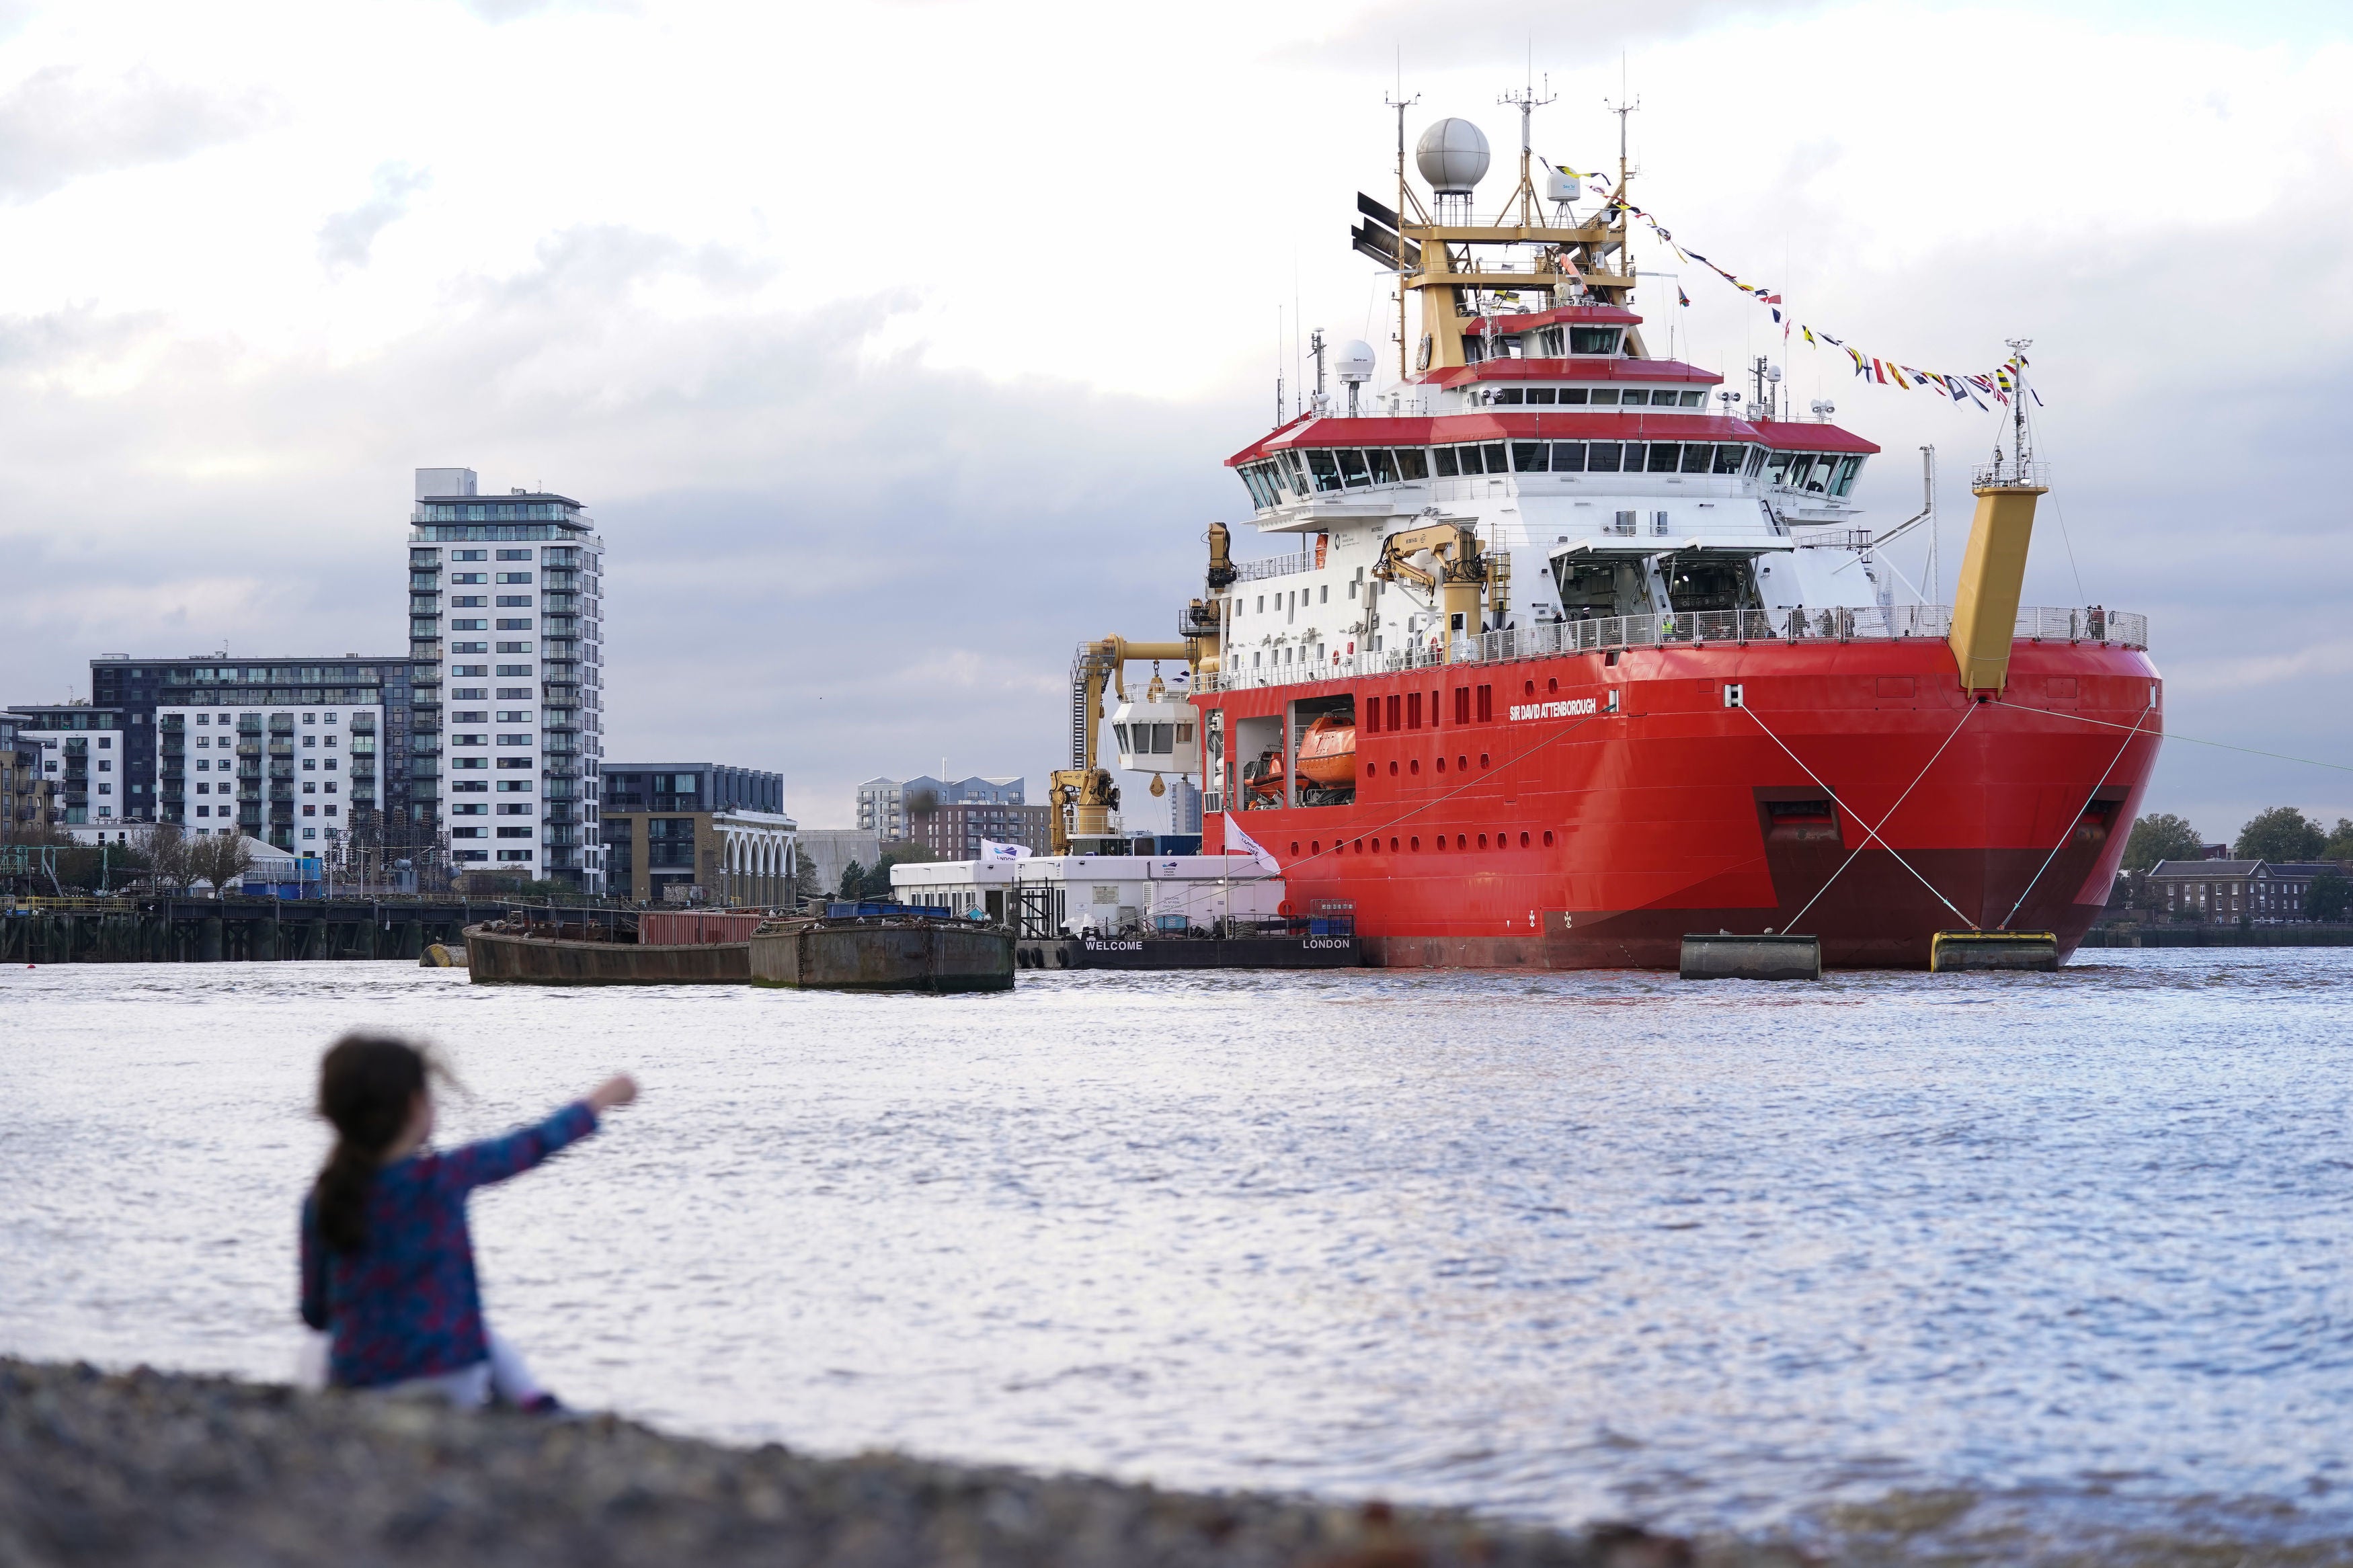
<point>2219,936</point>
<point>152,1469</point>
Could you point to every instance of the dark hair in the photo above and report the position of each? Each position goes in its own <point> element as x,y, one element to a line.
<point>366,1085</point>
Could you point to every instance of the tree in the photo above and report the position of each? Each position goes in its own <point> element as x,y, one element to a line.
<point>860,884</point>
<point>219,859</point>
<point>2328,897</point>
<point>2164,837</point>
<point>166,848</point>
<point>2340,843</point>
<point>2282,833</point>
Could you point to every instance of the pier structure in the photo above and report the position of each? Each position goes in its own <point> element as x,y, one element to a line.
<point>165,930</point>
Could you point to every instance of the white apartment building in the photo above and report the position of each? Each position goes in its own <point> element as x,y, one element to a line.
<point>80,750</point>
<point>506,654</point>
<point>310,767</point>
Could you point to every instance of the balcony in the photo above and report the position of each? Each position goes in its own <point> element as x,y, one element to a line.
<point>282,772</point>
<point>251,748</point>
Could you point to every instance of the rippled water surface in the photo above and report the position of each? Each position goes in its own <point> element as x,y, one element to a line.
<point>1953,1259</point>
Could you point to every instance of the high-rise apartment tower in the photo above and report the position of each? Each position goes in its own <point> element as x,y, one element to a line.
<point>506,656</point>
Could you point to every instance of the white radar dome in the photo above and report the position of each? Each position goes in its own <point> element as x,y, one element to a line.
<point>1452,156</point>
<point>1356,360</point>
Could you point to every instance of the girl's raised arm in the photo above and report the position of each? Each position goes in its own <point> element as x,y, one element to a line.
<point>496,1159</point>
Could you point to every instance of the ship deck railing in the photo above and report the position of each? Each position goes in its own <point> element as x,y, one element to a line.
<point>1550,639</point>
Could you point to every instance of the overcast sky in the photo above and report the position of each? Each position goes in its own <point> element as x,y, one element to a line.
<point>894,348</point>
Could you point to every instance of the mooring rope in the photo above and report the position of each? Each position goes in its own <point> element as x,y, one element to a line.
<point>2187,739</point>
<point>1883,821</point>
<point>2068,832</point>
<point>1870,832</point>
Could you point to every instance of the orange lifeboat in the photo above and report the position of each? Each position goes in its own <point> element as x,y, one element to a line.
<point>1327,767</point>
<point>1327,753</point>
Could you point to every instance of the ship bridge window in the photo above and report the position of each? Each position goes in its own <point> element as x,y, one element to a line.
<point>1353,470</point>
<point>1847,470</point>
<point>1695,398</point>
<point>1528,456</point>
<point>1605,397</point>
<point>1603,456</point>
<point>1507,395</point>
<point>1593,340</point>
<point>1574,394</point>
<point>1324,471</point>
<point>1635,396</point>
<point>1543,394</point>
<point>1413,463</point>
<point>1384,466</point>
<point>1664,457</point>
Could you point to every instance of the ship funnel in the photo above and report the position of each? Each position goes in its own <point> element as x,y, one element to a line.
<point>1993,571</point>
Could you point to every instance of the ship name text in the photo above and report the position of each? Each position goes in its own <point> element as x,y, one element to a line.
<point>1573,708</point>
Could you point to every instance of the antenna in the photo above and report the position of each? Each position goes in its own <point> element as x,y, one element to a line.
<point>1400,102</point>
<point>1526,101</point>
<point>1316,347</point>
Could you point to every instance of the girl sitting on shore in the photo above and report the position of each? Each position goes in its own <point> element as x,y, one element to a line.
<point>388,1262</point>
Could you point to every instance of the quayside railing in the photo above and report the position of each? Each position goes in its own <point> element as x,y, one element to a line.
<point>1546,639</point>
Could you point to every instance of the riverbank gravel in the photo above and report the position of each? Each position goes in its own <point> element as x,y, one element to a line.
<point>148,1467</point>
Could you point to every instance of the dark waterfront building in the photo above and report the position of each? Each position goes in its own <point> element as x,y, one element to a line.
<point>167,705</point>
<point>672,827</point>
<point>2255,893</point>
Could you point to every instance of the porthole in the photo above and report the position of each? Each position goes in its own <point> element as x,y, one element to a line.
<point>1392,769</point>
<point>1316,847</point>
<point>1482,841</point>
<point>1392,846</point>
<point>1463,841</point>
<point>1441,764</point>
<point>1528,688</point>
<point>1294,846</point>
<point>1482,760</point>
<point>1552,685</point>
<point>1463,765</point>
<point>1371,768</point>
<point>1523,841</point>
<point>1414,766</point>
<point>1547,837</point>
<point>1414,843</point>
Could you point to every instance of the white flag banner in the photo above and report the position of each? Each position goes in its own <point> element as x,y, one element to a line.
<point>990,849</point>
<point>1237,839</point>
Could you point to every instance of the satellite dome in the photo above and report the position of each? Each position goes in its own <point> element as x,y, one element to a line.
<point>1452,156</point>
<point>1356,360</point>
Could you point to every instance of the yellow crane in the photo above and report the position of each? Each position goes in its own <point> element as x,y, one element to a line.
<point>1462,575</point>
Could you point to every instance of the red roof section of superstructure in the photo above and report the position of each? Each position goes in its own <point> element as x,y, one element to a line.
<point>1791,435</point>
<point>1595,369</point>
<point>1608,315</point>
<point>1557,424</point>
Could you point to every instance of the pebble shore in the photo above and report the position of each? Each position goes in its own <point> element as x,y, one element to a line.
<point>154,1468</point>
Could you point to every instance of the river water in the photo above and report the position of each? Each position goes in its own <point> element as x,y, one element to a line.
<point>1979,1268</point>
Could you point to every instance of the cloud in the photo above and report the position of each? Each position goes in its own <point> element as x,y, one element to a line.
<point>1439,34</point>
<point>822,559</point>
<point>59,125</point>
<point>346,237</point>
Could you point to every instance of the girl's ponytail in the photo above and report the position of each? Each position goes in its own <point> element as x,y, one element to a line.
<point>367,1085</point>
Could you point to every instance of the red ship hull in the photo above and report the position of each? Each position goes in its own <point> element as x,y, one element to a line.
<point>1855,793</point>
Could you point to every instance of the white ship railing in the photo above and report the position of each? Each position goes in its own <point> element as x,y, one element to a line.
<point>1272,566</point>
<point>1869,623</point>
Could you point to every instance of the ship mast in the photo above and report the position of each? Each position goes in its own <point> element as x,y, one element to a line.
<point>1400,102</point>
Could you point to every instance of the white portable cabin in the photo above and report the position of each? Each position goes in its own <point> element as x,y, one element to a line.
<point>1070,894</point>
